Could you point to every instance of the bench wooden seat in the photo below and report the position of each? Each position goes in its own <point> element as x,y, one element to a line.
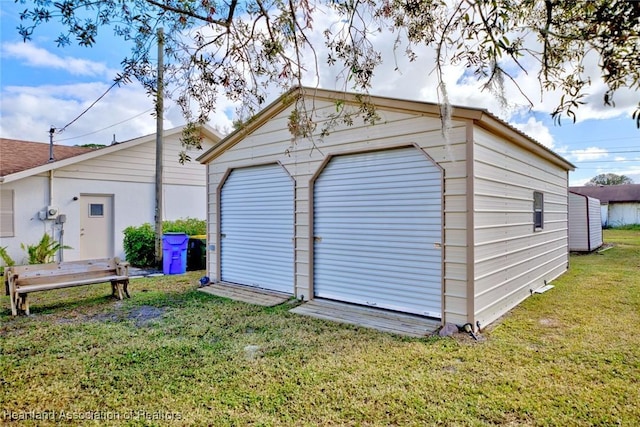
<point>24,279</point>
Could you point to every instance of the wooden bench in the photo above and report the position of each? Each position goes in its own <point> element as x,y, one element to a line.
<point>24,279</point>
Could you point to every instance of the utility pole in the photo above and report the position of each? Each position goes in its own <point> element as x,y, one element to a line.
<point>159,130</point>
<point>52,130</point>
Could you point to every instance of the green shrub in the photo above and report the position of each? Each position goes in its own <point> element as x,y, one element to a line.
<point>139,242</point>
<point>139,245</point>
<point>189,226</point>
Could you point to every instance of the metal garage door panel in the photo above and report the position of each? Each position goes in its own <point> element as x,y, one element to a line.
<point>378,229</point>
<point>256,226</point>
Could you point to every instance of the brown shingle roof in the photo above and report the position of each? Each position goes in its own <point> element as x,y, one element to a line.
<point>610,193</point>
<point>17,156</point>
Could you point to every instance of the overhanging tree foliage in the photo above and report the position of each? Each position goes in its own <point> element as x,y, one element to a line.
<point>245,49</point>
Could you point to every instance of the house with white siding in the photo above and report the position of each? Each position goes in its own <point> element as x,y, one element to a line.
<point>394,215</point>
<point>85,197</point>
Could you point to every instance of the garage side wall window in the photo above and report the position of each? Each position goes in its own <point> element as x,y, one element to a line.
<point>538,211</point>
<point>6,214</point>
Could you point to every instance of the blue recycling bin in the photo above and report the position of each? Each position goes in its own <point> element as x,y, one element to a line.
<point>174,253</point>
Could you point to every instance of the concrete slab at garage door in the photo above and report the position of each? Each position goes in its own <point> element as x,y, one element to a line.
<point>378,231</point>
<point>256,228</point>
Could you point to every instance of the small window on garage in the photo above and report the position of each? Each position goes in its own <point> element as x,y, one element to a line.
<point>538,211</point>
<point>6,214</point>
<point>96,210</point>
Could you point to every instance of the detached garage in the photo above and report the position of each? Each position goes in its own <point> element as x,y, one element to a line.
<point>392,215</point>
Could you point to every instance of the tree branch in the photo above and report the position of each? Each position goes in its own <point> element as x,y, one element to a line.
<point>191,14</point>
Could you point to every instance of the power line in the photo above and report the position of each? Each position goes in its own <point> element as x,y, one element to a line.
<point>605,151</point>
<point>89,107</point>
<point>114,84</point>
<point>607,148</point>
<point>608,161</point>
<point>105,128</point>
<point>582,141</point>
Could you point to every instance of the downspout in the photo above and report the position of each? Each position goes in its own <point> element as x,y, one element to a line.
<point>52,130</point>
<point>50,203</point>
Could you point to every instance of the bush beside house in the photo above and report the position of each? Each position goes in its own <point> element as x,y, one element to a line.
<point>139,242</point>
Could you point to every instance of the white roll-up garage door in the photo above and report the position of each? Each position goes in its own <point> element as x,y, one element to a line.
<point>256,228</point>
<point>377,231</point>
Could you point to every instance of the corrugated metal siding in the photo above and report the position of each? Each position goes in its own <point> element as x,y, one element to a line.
<point>595,223</point>
<point>256,226</point>
<point>578,223</point>
<point>272,142</point>
<point>510,257</point>
<point>377,221</point>
<point>604,214</point>
<point>623,214</point>
<point>585,224</point>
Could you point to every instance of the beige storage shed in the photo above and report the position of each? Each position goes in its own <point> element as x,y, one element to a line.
<point>394,215</point>
<point>585,223</point>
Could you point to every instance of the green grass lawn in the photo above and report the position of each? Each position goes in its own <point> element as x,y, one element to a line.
<point>570,356</point>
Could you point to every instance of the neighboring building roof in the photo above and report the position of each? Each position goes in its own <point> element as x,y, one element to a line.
<point>481,117</point>
<point>16,155</point>
<point>16,161</point>
<point>610,193</point>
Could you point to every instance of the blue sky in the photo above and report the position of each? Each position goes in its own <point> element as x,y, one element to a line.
<point>42,85</point>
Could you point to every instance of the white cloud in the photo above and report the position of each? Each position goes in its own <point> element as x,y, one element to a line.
<point>34,56</point>
<point>537,130</point>
<point>591,153</point>
<point>28,112</point>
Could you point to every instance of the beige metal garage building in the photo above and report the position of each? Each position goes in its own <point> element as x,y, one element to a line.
<point>392,215</point>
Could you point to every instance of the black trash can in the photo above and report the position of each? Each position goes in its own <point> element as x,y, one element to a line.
<point>197,253</point>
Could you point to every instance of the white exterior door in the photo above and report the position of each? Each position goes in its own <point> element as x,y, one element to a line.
<point>96,226</point>
<point>256,228</point>
<point>378,231</point>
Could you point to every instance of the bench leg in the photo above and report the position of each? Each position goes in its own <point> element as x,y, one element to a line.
<point>116,290</point>
<point>121,288</point>
<point>14,304</point>
<point>22,303</point>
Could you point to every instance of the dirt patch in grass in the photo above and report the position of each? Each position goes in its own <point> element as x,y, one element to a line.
<point>145,314</point>
<point>140,315</point>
